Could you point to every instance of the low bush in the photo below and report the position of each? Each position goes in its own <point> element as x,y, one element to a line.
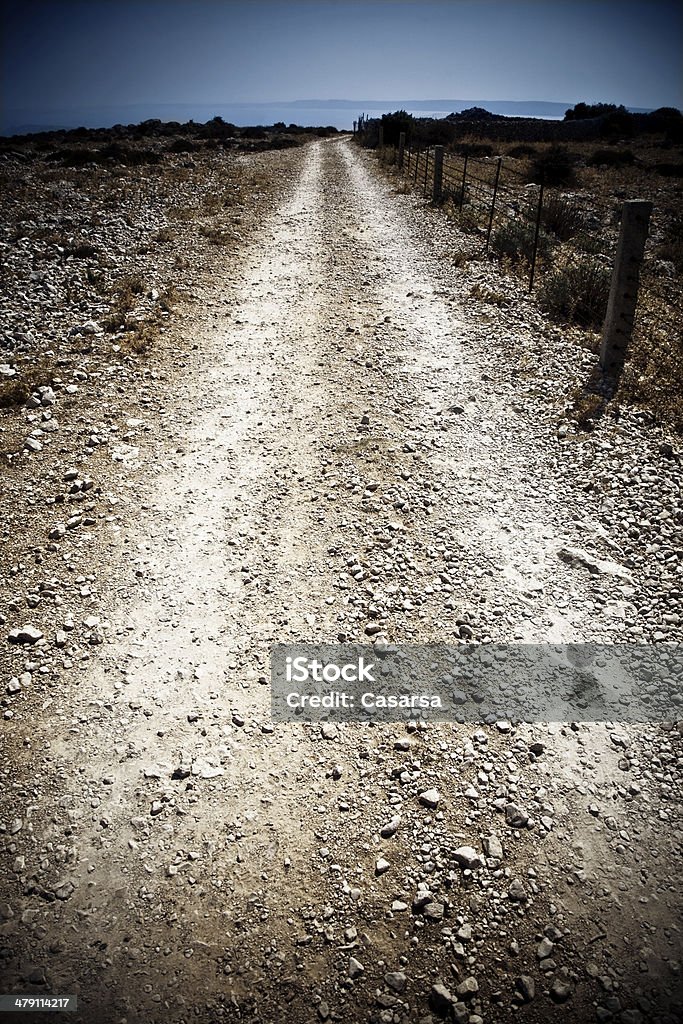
<point>79,248</point>
<point>395,123</point>
<point>561,217</point>
<point>288,142</point>
<point>74,157</point>
<point>253,132</point>
<point>522,151</point>
<point>473,149</point>
<point>31,375</point>
<point>168,298</point>
<point>215,235</point>
<point>580,111</point>
<point>671,247</point>
<point>577,292</point>
<point>181,213</point>
<point>183,146</point>
<point>217,128</point>
<point>555,166</point>
<point>140,338</point>
<point>587,408</point>
<point>127,155</point>
<point>126,290</point>
<point>611,158</point>
<point>515,239</point>
<point>653,373</point>
<point>593,244</point>
<point>468,222</point>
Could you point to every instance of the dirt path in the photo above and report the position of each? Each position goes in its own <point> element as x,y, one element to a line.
<point>341,407</point>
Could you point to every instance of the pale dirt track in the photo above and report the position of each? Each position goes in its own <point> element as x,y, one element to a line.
<point>220,905</point>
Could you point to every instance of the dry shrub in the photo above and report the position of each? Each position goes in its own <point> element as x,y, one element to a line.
<point>587,408</point>
<point>610,158</point>
<point>515,239</point>
<point>469,221</point>
<point>517,152</point>
<point>168,298</point>
<point>577,292</point>
<point>126,292</point>
<point>654,369</point>
<point>216,235</point>
<point>211,203</point>
<point>31,374</point>
<point>561,217</point>
<point>141,337</point>
<point>554,166</point>
<point>671,246</point>
<point>79,248</point>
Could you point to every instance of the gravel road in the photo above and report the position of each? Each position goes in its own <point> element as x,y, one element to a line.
<point>347,440</point>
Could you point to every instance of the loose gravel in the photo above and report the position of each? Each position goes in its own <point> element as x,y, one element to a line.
<point>330,439</point>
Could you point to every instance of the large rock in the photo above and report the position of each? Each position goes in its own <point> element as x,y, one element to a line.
<point>440,1000</point>
<point>25,635</point>
<point>467,857</point>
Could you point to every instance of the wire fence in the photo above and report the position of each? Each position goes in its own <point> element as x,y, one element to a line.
<point>514,217</point>
<point>568,240</point>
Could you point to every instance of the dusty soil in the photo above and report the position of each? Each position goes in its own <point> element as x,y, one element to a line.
<point>330,397</point>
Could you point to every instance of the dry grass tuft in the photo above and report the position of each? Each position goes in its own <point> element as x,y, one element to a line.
<point>126,292</point>
<point>31,374</point>
<point>215,234</point>
<point>654,369</point>
<point>141,338</point>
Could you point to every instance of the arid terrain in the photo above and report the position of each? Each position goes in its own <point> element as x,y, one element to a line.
<point>262,397</point>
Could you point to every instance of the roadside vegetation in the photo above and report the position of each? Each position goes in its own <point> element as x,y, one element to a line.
<point>588,164</point>
<point>103,232</point>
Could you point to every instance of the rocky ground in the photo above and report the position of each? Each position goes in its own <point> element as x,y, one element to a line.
<point>323,431</point>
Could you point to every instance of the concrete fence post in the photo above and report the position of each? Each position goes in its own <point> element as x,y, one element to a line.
<point>623,295</point>
<point>401,149</point>
<point>438,173</point>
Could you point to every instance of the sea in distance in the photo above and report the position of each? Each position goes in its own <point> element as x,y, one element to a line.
<point>309,113</point>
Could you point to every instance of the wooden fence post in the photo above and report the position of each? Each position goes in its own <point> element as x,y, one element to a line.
<point>623,295</point>
<point>381,136</point>
<point>417,164</point>
<point>401,149</point>
<point>424,189</point>
<point>438,173</point>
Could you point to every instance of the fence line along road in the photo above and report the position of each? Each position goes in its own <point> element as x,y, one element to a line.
<point>496,199</point>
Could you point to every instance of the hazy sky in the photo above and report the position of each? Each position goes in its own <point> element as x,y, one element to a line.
<point>66,52</point>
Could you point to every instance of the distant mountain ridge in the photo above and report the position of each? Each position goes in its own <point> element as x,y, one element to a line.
<point>543,107</point>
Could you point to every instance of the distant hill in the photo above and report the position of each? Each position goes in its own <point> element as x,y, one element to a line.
<point>314,112</point>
